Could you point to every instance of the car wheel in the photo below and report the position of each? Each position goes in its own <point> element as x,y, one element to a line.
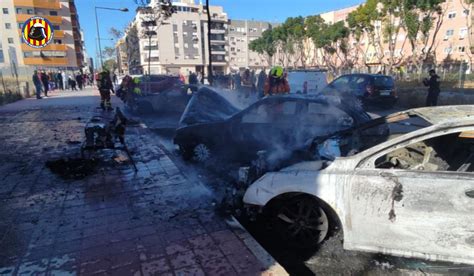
<point>301,222</point>
<point>202,153</point>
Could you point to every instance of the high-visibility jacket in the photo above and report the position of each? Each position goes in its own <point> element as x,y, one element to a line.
<point>276,86</point>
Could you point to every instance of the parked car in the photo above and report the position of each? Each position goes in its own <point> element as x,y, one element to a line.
<point>158,93</point>
<point>410,196</point>
<point>211,125</point>
<point>374,91</point>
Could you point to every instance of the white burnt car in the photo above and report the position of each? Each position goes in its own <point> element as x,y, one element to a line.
<point>411,196</point>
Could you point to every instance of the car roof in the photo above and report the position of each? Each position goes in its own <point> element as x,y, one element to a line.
<point>443,114</point>
<point>366,75</point>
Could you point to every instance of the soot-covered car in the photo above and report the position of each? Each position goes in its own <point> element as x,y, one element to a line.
<point>374,91</point>
<point>211,125</point>
<point>155,93</point>
<point>410,196</point>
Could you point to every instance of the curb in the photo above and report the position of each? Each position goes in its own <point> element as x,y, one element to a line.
<point>273,267</point>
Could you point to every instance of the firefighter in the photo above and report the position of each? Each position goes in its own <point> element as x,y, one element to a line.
<point>276,83</point>
<point>104,83</point>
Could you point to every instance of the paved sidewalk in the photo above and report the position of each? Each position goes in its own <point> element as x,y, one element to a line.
<point>115,222</point>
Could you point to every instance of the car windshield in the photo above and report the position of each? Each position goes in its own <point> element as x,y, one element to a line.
<point>383,82</point>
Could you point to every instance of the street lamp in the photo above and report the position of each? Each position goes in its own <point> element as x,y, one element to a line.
<point>97,26</point>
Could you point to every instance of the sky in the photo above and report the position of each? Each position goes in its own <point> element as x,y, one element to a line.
<point>266,10</point>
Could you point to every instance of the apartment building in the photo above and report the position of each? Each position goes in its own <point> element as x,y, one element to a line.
<point>122,57</point>
<point>451,45</point>
<point>240,34</point>
<point>178,44</point>
<point>65,52</point>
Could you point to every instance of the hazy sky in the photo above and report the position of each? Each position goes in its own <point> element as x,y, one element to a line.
<point>268,10</point>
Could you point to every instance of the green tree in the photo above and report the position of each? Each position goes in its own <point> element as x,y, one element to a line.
<point>423,20</point>
<point>265,46</point>
<point>295,37</point>
<point>364,23</point>
<point>331,42</point>
<point>115,33</point>
<point>110,64</point>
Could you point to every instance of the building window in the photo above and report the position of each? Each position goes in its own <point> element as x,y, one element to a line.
<point>462,33</point>
<point>448,50</point>
<point>465,13</point>
<point>449,33</point>
<point>5,11</point>
<point>451,15</point>
<point>29,11</point>
<point>8,26</point>
<point>54,13</point>
<point>10,40</point>
<point>58,41</point>
<point>461,49</point>
<point>18,10</point>
<point>56,28</point>
<point>2,59</point>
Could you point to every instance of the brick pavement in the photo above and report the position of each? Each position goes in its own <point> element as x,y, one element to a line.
<point>115,222</point>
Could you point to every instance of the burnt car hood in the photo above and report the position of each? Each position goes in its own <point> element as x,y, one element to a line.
<point>207,106</point>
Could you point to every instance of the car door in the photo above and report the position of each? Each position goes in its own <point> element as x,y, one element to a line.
<point>265,125</point>
<point>423,206</point>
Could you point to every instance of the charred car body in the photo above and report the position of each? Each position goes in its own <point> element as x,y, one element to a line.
<point>155,93</point>
<point>409,196</point>
<point>280,125</point>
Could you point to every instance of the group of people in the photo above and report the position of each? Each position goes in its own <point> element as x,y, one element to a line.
<point>50,81</point>
<point>249,83</point>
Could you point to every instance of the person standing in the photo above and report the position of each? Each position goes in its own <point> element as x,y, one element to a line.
<point>262,76</point>
<point>65,79</point>
<point>37,83</point>
<point>115,79</point>
<point>72,83</point>
<point>276,83</point>
<point>433,84</point>
<point>45,81</point>
<point>59,78</point>
<point>104,83</point>
<point>79,80</point>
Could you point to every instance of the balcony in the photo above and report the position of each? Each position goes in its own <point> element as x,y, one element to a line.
<point>41,4</point>
<point>45,61</point>
<point>50,47</point>
<point>56,20</point>
<point>218,31</point>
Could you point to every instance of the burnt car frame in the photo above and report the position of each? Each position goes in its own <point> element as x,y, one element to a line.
<point>278,125</point>
<point>410,196</point>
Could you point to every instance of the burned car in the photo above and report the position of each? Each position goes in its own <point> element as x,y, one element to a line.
<point>409,196</point>
<point>155,93</point>
<point>279,125</point>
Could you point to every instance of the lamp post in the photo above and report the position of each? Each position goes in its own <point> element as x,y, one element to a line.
<point>98,33</point>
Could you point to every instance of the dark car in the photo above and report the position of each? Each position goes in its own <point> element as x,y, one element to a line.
<point>157,93</point>
<point>374,91</point>
<point>210,125</point>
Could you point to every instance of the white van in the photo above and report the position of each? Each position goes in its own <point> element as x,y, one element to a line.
<point>315,81</point>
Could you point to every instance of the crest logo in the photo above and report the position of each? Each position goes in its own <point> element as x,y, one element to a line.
<point>37,32</point>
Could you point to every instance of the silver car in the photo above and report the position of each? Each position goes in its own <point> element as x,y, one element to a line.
<point>410,196</point>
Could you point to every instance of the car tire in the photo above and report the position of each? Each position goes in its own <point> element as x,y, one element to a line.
<point>202,153</point>
<point>300,221</point>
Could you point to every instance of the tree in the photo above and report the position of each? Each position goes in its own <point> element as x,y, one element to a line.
<point>392,22</point>
<point>265,45</point>
<point>115,33</point>
<point>468,5</point>
<point>331,41</point>
<point>423,20</point>
<point>110,64</point>
<point>364,22</point>
<point>294,35</point>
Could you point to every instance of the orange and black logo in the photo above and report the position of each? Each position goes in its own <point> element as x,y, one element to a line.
<point>37,32</point>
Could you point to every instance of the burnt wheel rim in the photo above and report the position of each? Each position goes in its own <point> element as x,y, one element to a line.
<point>302,221</point>
<point>202,153</point>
